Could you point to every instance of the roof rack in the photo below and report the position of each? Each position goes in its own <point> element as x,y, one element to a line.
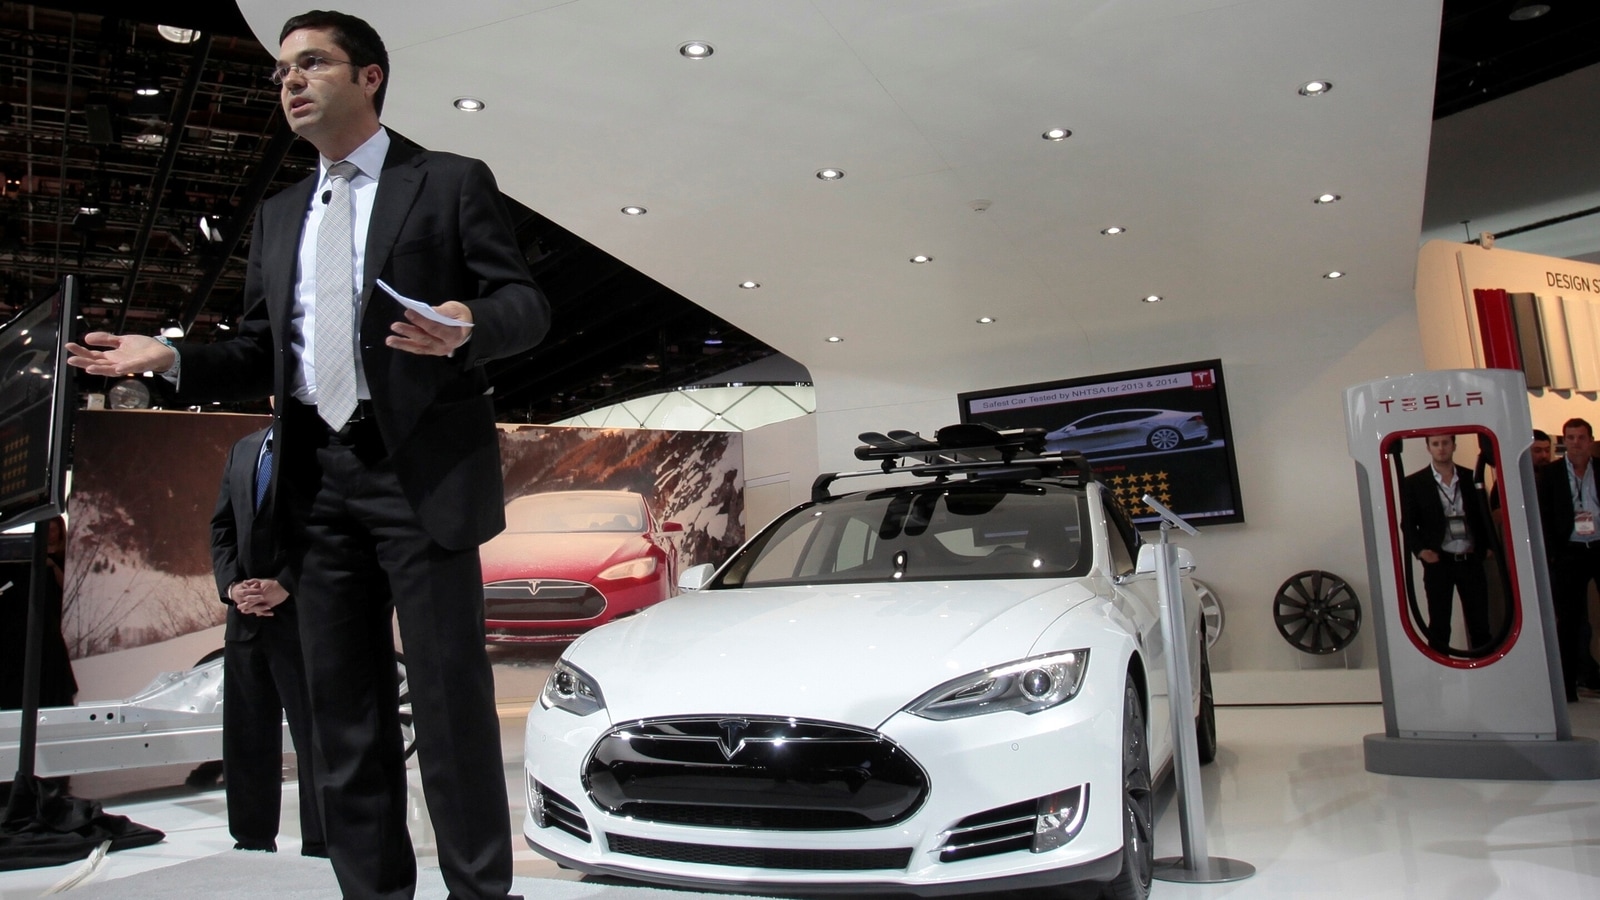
<point>980,451</point>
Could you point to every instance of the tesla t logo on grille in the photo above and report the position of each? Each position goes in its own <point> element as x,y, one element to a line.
<point>731,736</point>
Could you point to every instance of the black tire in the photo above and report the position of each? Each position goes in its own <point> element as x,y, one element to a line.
<point>1164,438</point>
<point>1138,805</point>
<point>1205,718</point>
<point>408,731</point>
<point>215,654</point>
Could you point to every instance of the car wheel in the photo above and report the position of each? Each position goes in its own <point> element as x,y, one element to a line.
<point>408,730</point>
<point>215,654</point>
<point>1164,439</point>
<point>1205,718</point>
<point>1138,805</point>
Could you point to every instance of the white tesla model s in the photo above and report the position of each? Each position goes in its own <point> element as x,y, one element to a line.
<point>948,686</point>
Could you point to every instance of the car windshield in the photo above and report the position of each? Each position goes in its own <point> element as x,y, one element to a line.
<point>575,511</point>
<point>924,533</point>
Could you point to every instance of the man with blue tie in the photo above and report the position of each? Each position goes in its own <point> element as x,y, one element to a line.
<point>263,670</point>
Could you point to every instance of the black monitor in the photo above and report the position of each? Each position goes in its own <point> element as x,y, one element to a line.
<point>36,401</point>
<point>1162,431</point>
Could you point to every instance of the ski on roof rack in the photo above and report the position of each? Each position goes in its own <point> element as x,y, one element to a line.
<point>981,452</point>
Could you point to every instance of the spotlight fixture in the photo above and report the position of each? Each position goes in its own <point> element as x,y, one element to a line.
<point>749,285</point>
<point>172,329</point>
<point>1152,298</point>
<point>830,174</point>
<point>211,228</point>
<point>1113,230</point>
<point>835,339</point>
<point>695,50</point>
<point>919,259</point>
<point>1316,88</point>
<point>634,210</point>
<point>1057,134</point>
<point>145,82</point>
<point>469,104</point>
<point>986,320</point>
<point>1334,274</point>
<point>1524,10</point>
<point>1323,199</point>
<point>178,35</point>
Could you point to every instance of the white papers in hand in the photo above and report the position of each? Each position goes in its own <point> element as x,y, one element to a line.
<point>424,309</point>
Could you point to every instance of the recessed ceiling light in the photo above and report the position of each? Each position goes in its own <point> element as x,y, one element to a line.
<point>1115,229</point>
<point>469,104</point>
<point>634,210</point>
<point>919,259</point>
<point>1315,88</point>
<point>986,320</point>
<point>1057,134</point>
<point>830,174</point>
<point>749,285</point>
<point>178,35</point>
<point>1334,274</point>
<point>1152,298</point>
<point>1523,10</point>
<point>696,49</point>
<point>835,339</point>
<point>1326,198</point>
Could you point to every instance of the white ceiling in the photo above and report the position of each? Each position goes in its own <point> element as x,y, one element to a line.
<point>1187,129</point>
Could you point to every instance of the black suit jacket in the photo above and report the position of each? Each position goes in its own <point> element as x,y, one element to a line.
<point>1422,518</point>
<point>439,231</point>
<point>1556,509</point>
<point>239,549</point>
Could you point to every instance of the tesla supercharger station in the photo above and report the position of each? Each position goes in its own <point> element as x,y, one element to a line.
<point>1493,710</point>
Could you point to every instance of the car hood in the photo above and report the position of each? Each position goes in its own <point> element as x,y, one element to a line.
<point>557,554</point>
<point>845,653</point>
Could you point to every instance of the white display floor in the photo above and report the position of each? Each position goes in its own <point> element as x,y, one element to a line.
<point>1288,795</point>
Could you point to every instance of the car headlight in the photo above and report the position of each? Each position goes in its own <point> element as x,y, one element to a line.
<point>633,568</point>
<point>1025,686</point>
<point>572,689</point>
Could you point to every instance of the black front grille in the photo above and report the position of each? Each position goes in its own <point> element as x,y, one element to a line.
<point>762,857</point>
<point>771,774</point>
<point>999,830</point>
<point>541,600</point>
<point>558,812</point>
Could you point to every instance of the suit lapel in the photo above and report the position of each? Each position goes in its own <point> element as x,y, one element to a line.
<point>397,191</point>
<point>282,251</point>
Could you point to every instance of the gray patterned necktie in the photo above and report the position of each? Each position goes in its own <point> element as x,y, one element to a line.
<point>336,347</point>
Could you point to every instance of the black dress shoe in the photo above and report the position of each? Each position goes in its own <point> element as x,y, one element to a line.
<point>260,846</point>
<point>318,850</point>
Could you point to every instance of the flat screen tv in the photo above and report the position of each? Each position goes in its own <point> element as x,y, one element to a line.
<point>1162,431</point>
<point>36,400</point>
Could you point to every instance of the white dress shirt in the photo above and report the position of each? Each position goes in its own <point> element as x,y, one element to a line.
<point>302,322</point>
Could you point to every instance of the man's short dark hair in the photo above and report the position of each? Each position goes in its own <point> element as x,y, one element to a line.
<point>1577,423</point>
<point>1540,436</point>
<point>355,37</point>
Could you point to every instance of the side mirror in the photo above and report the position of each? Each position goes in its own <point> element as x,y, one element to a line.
<point>695,577</point>
<point>671,526</point>
<point>1147,560</point>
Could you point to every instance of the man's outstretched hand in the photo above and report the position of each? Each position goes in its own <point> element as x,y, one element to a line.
<point>124,354</point>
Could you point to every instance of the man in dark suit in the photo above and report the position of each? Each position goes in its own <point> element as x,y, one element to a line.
<point>390,467</point>
<point>1446,525</point>
<point>263,672</point>
<point>1569,512</point>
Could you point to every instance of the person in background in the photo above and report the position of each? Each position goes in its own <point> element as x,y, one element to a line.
<point>1445,521</point>
<point>263,671</point>
<point>1570,513</point>
<point>1542,452</point>
<point>388,475</point>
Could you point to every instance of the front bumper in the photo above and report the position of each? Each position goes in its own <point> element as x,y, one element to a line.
<point>974,766</point>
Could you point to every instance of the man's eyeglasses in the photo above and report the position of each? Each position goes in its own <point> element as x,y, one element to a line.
<point>307,65</point>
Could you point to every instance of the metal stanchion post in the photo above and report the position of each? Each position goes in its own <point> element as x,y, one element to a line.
<point>1196,866</point>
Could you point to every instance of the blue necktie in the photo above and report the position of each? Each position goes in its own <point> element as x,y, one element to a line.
<point>264,472</point>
